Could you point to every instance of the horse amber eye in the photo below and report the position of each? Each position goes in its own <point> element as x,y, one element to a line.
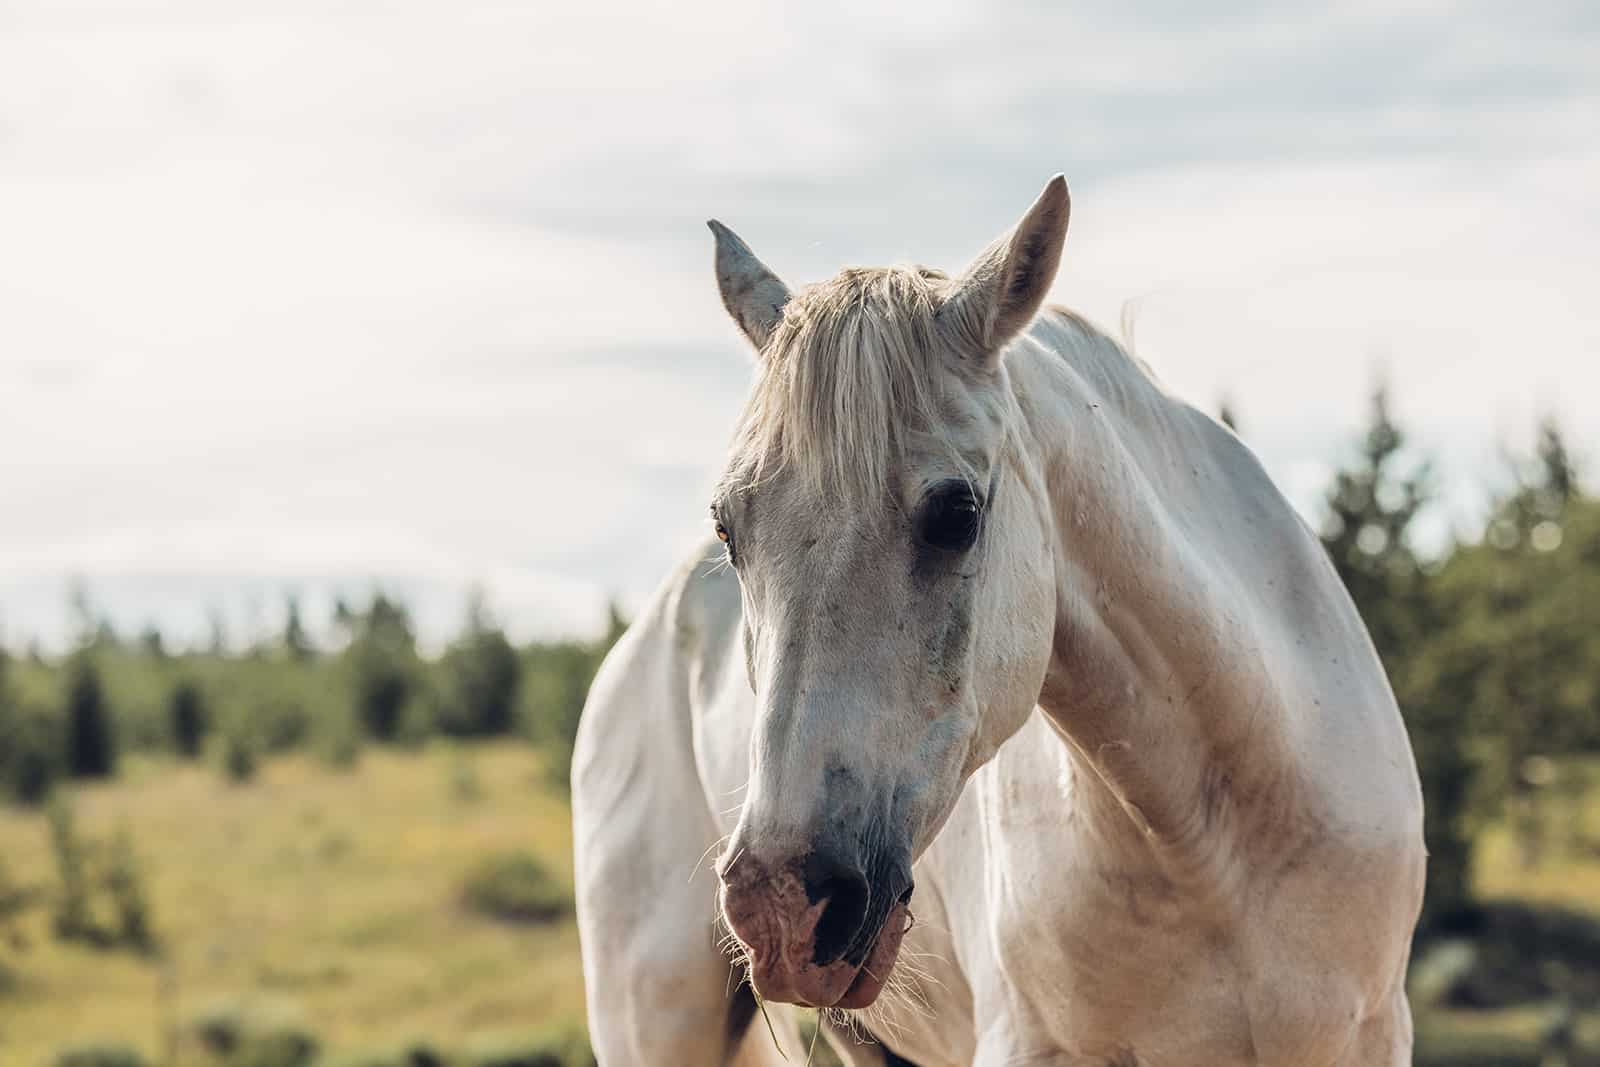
<point>950,520</point>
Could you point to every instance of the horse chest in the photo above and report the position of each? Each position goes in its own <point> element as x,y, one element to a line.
<point>1096,953</point>
<point>1118,964</point>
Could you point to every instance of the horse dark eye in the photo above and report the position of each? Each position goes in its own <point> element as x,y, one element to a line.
<point>950,520</point>
<point>726,538</point>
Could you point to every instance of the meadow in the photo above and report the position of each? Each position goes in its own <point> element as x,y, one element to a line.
<point>335,898</point>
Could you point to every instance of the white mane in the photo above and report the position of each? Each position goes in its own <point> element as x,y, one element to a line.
<point>853,365</point>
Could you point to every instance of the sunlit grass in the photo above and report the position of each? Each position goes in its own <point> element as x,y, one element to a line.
<point>1570,876</point>
<point>338,894</point>
<point>339,891</point>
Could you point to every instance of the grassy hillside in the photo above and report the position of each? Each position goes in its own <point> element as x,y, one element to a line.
<point>332,894</point>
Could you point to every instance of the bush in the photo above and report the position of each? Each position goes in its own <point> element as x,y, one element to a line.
<point>125,883</point>
<point>1520,954</point>
<point>30,752</point>
<point>564,1046</point>
<point>72,920</point>
<point>415,1053</point>
<point>101,1055</point>
<point>14,899</point>
<point>516,886</point>
<point>239,756</point>
<point>280,722</point>
<point>255,1035</point>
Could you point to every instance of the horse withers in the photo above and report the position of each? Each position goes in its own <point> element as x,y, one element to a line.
<point>1025,719</point>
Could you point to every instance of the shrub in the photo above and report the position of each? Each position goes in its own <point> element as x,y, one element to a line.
<point>14,899</point>
<point>190,720</point>
<point>30,752</point>
<point>516,886</point>
<point>220,1028</point>
<point>72,919</point>
<point>1520,953</point>
<point>126,886</point>
<point>239,756</point>
<point>100,1055</point>
<point>561,1046</point>
<point>240,1034</point>
<point>277,1048</point>
<point>418,1052</point>
<point>280,722</point>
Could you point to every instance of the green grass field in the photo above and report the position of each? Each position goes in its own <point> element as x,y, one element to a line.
<point>336,895</point>
<point>332,894</point>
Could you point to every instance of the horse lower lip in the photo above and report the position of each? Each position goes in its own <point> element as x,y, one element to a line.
<point>870,978</point>
<point>855,989</point>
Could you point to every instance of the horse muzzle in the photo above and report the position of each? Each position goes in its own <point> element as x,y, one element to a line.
<point>816,931</point>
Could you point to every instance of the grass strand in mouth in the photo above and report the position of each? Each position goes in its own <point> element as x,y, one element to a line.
<point>812,1051</point>
<point>762,1005</point>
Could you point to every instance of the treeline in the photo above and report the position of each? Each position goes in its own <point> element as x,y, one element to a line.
<point>76,715</point>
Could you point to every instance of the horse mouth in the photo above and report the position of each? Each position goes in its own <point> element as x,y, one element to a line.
<point>840,984</point>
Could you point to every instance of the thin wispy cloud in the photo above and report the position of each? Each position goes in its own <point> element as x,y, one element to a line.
<point>302,298</point>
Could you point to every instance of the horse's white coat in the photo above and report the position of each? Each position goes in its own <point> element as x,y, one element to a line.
<point>1172,817</point>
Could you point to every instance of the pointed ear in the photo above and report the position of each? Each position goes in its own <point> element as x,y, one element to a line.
<point>752,294</point>
<point>1005,286</point>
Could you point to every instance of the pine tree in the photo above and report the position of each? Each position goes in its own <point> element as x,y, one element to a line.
<point>189,719</point>
<point>383,666</point>
<point>482,674</point>
<point>296,642</point>
<point>1525,646</point>
<point>91,742</point>
<point>1367,533</point>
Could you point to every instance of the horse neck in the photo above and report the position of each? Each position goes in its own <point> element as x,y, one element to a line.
<point>1143,649</point>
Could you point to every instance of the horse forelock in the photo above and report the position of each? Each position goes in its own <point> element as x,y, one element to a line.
<point>852,369</point>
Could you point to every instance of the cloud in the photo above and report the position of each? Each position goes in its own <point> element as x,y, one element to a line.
<point>310,296</point>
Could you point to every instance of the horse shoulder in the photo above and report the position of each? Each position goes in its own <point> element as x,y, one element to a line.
<point>1324,866</point>
<point>634,754</point>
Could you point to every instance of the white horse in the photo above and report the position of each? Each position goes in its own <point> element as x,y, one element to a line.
<point>1007,621</point>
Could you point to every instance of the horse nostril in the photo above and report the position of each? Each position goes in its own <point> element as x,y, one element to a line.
<point>846,909</point>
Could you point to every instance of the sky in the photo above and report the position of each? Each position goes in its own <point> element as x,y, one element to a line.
<point>310,298</point>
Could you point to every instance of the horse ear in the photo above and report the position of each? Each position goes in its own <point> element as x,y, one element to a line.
<point>996,298</point>
<point>752,294</point>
